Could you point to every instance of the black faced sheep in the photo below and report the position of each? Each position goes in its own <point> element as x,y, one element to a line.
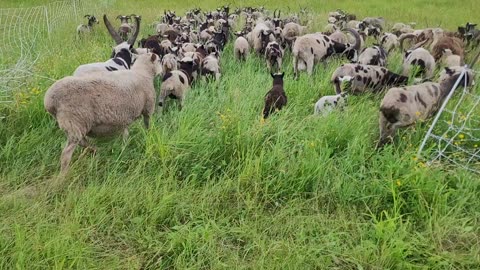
<point>102,104</point>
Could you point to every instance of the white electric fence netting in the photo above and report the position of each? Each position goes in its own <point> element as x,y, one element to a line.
<point>454,136</point>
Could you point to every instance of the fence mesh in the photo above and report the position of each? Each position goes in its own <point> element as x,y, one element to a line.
<point>23,32</point>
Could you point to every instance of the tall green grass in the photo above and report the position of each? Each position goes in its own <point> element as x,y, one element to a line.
<point>211,187</point>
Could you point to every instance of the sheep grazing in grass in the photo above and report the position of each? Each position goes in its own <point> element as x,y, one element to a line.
<point>421,59</point>
<point>274,56</point>
<point>327,104</point>
<point>451,60</point>
<point>176,83</point>
<point>276,98</point>
<point>82,28</point>
<point>102,104</point>
<point>211,66</point>
<point>389,41</point>
<point>402,107</point>
<point>375,55</point>
<point>241,48</point>
<point>363,77</point>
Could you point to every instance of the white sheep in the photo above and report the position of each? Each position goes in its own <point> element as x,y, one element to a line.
<point>241,48</point>
<point>327,104</point>
<point>102,104</point>
<point>404,106</point>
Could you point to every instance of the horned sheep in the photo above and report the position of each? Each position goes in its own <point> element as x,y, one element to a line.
<point>102,104</point>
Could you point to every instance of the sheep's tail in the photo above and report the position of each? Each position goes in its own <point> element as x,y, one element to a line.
<point>391,113</point>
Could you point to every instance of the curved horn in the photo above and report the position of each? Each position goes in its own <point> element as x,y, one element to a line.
<point>358,39</point>
<point>132,39</point>
<point>119,17</point>
<point>403,37</point>
<point>419,44</point>
<point>86,16</point>
<point>112,32</point>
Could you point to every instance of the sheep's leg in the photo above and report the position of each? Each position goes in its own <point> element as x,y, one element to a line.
<point>146,121</point>
<point>125,135</point>
<point>310,63</point>
<point>67,155</point>
<point>84,143</point>
<point>387,130</point>
<point>295,67</point>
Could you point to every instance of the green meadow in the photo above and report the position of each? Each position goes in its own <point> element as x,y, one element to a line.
<point>212,187</point>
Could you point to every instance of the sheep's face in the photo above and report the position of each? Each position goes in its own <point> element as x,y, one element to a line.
<point>452,73</point>
<point>157,64</point>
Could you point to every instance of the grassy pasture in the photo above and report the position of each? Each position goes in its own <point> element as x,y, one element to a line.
<point>211,187</point>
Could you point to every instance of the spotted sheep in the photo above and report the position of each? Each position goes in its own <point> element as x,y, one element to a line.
<point>404,106</point>
<point>274,56</point>
<point>82,28</point>
<point>175,84</point>
<point>327,104</point>
<point>122,56</point>
<point>389,41</point>
<point>420,59</point>
<point>311,48</point>
<point>363,77</point>
<point>241,48</point>
<point>339,37</point>
<point>375,55</point>
<point>276,98</point>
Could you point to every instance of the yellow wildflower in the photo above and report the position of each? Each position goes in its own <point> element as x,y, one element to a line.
<point>398,183</point>
<point>418,113</point>
<point>461,136</point>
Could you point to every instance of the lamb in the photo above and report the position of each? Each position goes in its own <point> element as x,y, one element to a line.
<point>211,66</point>
<point>241,48</point>
<point>363,77</point>
<point>402,107</point>
<point>82,28</point>
<point>327,104</point>
<point>451,60</point>
<point>175,84</point>
<point>274,56</point>
<point>169,63</point>
<point>276,98</point>
<point>375,55</point>
<point>421,58</point>
<point>316,47</point>
<point>389,41</point>
<point>102,104</point>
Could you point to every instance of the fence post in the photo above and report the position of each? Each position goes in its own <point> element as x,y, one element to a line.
<point>47,21</point>
<point>75,8</point>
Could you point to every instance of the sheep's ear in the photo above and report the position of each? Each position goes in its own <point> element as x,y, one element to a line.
<point>449,71</point>
<point>281,75</point>
<point>153,58</point>
<point>273,75</point>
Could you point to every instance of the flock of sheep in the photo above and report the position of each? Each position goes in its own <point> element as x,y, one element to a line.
<point>104,98</point>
